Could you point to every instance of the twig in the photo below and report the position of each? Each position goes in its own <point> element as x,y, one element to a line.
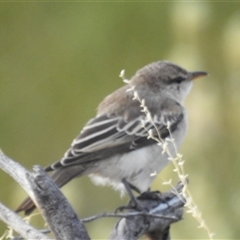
<point>126,215</point>
<point>20,226</point>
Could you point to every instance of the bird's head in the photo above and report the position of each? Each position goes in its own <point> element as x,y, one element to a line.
<point>165,78</point>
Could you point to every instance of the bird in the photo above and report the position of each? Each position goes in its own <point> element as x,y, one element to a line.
<point>120,144</point>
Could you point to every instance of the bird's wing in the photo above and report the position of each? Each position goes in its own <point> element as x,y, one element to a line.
<point>105,136</point>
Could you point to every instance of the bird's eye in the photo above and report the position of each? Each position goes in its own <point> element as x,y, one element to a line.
<point>178,80</point>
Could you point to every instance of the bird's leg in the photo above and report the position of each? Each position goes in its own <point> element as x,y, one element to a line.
<point>133,204</point>
<point>129,187</point>
<point>132,187</point>
<point>154,195</point>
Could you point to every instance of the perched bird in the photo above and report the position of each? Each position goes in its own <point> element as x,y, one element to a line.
<point>114,148</point>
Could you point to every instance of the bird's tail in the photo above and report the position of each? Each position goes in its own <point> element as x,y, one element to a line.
<point>60,177</point>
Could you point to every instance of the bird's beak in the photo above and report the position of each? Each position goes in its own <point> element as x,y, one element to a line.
<point>197,74</point>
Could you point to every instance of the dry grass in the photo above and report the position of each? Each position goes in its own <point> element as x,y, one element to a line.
<point>176,159</point>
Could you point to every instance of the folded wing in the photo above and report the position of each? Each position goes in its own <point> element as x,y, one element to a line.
<point>105,135</point>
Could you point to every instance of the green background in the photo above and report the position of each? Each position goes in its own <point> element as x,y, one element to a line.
<point>57,62</point>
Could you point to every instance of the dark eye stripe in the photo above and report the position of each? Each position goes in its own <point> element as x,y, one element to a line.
<point>177,80</point>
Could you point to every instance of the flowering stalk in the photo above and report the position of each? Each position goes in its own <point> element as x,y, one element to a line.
<point>177,159</point>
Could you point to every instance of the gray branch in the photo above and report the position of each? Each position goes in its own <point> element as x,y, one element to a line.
<point>167,208</point>
<point>158,211</point>
<point>56,210</point>
<point>21,227</point>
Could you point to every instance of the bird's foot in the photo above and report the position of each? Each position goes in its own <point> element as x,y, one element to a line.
<point>135,202</point>
<point>136,206</point>
<point>148,195</point>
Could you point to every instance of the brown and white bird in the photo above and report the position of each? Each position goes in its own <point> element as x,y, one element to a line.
<point>114,147</point>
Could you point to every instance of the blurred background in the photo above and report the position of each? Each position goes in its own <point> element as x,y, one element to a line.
<point>58,61</point>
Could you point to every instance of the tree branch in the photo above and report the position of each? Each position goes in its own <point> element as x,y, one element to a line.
<point>56,210</point>
<point>158,210</point>
<point>19,225</point>
<point>167,206</point>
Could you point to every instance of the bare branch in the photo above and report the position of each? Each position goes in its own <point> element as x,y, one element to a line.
<point>16,171</point>
<point>125,215</point>
<point>55,208</point>
<point>157,212</point>
<point>57,212</point>
<point>166,204</point>
<point>17,223</point>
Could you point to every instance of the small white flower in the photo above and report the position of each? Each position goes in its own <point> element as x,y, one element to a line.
<point>143,103</point>
<point>164,147</point>
<point>135,96</point>
<point>188,202</point>
<point>181,163</point>
<point>143,123</point>
<point>179,155</point>
<point>129,89</point>
<point>153,174</point>
<point>149,117</point>
<point>122,73</point>
<point>167,182</point>
<point>150,134</point>
<point>168,125</point>
<point>126,81</point>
